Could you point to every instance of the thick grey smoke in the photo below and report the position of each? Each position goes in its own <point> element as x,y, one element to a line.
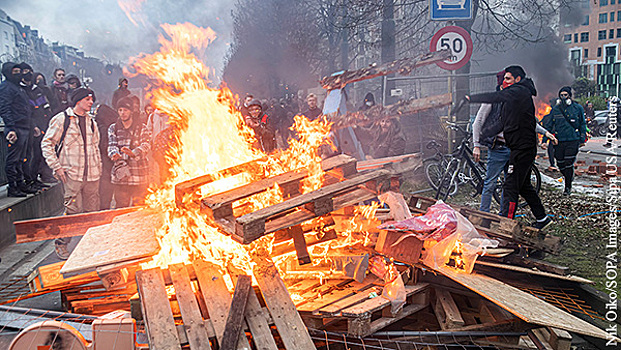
<point>101,29</point>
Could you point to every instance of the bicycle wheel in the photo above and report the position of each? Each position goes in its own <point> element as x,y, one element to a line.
<point>535,180</point>
<point>433,171</point>
<point>449,179</point>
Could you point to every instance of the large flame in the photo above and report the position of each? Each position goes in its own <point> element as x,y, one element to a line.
<point>542,109</point>
<point>212,136</point>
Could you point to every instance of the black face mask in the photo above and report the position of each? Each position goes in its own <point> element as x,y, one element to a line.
<point>27,77</point>
<point>14,78</point>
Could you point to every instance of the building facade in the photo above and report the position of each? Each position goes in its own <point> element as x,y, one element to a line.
<point>594,46</point>
<point>8,46</point>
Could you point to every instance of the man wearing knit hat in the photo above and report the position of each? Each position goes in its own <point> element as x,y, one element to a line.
<point>70,148</point>
<point>566,120</point>
<point>129,143</point>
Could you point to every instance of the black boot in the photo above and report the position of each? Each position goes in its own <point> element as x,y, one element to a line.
<point>14,191</point>
<point>568,175</point>
<point>26,188</point>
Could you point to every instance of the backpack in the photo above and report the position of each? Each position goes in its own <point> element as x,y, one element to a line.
<point>66,123</point>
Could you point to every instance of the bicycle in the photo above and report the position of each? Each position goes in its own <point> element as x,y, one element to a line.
<point>434,166</point>
<point>461,168</point>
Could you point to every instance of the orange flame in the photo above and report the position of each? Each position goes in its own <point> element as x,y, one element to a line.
<point>542,109</point>
<point>211,136</point>
<point>132,10</point>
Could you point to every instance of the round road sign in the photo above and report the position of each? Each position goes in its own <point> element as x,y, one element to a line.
<point>455,39</point>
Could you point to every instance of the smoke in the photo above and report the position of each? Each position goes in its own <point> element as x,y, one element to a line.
<point>101,28</point>
<point>546,62</point>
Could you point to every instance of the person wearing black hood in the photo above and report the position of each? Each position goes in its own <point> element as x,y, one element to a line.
<point>121,92</point>
<point>518,127</point>
<point>260,123</point>
<point>73,82</point>
<point>105,116</point>
<point>369,101</point>
<point>41,115</point>
<point>566,120</point>
<point>16,112</point>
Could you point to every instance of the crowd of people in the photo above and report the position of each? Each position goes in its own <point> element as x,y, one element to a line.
<point>101,158</point>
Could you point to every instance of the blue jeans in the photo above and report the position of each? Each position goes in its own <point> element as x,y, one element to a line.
<point>496,162</point>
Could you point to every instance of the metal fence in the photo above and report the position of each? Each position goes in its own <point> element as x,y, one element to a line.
<point>420,128</point>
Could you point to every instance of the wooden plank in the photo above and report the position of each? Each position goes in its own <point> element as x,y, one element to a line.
<point>292,330</point>
<point>540,336</point>
<point>523,305</point>
<point>48,277</point>
<point>446,310</point>
<point>256,318</point>
<point>65,225</point>
<point>129,237</point>
<point>559,339</point>
<point>217,298</point>
<point>370,306</point>
<point>220,205</point>
<point>335,308</point>
<point>311,239</point>
<point>234,322</point>
<point>576,279</point>
<point>392,244</point>
<point>540,265</point>
<point>156,310</point>
<point>403,66</point>
<point>195,327</point>
<point>260,216</point>
<point>300,245</point>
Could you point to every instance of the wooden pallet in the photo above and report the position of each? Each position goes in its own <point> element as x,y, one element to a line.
<point>296,210</point>
<point>48,278</point>
<point>210,313</point>
<point>360,305</point>
<point>94,299</point>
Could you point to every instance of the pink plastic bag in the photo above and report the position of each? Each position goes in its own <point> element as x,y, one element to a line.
<point>439,222</point>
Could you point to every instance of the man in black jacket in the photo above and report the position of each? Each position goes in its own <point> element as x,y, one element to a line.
<point>16,112</point>
<point>518,119</point>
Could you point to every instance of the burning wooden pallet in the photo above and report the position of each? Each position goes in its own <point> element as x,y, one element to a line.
<point>211,312</point>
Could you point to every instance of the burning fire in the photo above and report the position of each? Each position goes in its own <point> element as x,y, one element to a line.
<point>542,109</point>
<point>212,136</point>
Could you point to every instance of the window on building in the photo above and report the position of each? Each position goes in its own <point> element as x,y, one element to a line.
<point>567,38</point>
<point>612,2</point>
<point>601,35</point>
<point>575,37</point>
<point>603,18</point>
<point>611,51</point>
<point>584,37</point>
<point>599,52</point>
<point>586,53</point>
<point>618,15</point>
<point>611,34</point>
<point>586,20</point>
<point>612,17</point>
<point>6,35</point>
<point>603,2</point>
<point>618,33</point>
<point>6,48</point>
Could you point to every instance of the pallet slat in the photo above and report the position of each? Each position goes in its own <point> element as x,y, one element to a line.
<point>190,313</point>
<point>156,308</point>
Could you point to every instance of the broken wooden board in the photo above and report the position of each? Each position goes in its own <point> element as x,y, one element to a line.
<point>156,309</point>
<point>401,246</point>
<point>576,279</point>
<point>249,227</point>
<point>290,326</point>
<point>129,237</point>
<point>402,66</point>
<point>48,278</point>
<point>65,225</point>
<point>523,305</point>
<point>220,205</point>
<point>446,310</point>
<point>235,320</point>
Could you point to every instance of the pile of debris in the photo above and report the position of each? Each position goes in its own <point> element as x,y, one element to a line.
<point>375,287</point>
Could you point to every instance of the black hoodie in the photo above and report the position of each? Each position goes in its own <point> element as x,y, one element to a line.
<point>15,110</point>
<point>517,114</point>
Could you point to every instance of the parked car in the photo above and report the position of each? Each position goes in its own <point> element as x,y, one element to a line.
<point>599,124</point>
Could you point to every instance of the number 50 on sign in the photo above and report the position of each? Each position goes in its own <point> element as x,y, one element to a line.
<point>456,39</point>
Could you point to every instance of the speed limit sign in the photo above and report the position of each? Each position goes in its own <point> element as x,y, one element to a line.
<point>456,39</point>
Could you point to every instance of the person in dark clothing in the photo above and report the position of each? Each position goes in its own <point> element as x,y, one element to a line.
<point>73,82</point>
<point>312,111</point>
<point>105,116</point>
<point>41,115</point>
<point>243,109</point>
<point>549,146</point>
<point>518,127</point>
<point>388,141</point>
<point>260,123</point>
<point>369,101</point>
<point>120,93</point>
<point>16,113</point>
<point>59,101</point>
<point>41,82</point>
<point>566,120</point>
<point>281,121</point>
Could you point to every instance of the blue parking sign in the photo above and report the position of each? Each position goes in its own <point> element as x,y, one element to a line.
<point>447,10</point>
